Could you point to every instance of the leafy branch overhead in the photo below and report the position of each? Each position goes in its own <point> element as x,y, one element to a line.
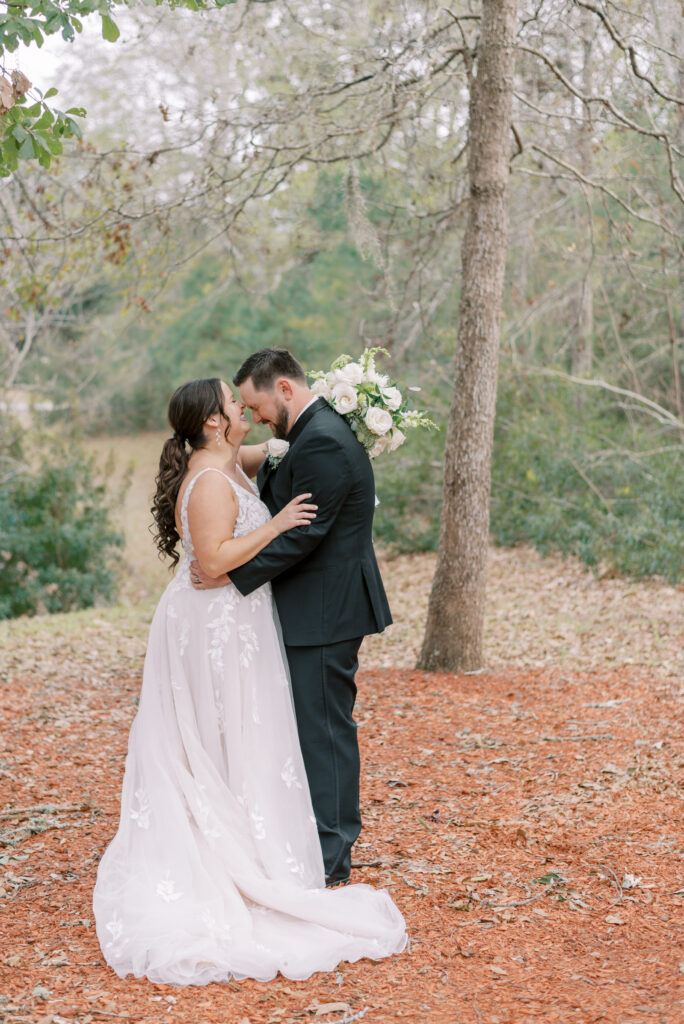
<point>30,128</point>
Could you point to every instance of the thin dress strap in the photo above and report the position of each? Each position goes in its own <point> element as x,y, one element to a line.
<point>186,497</point>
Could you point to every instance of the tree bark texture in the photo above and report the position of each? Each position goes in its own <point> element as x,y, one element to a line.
<point>583,351</point>
<point>453,636</point>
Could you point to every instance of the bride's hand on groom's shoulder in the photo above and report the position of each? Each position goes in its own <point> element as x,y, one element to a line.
<point>201,581</point>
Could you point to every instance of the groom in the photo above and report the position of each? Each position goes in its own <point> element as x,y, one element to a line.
<point>326,583</point>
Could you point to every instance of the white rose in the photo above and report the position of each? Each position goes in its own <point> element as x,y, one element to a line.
<point>392,398</point>
<point>379,448</point>
<point>377,420</point>
<point>277,448</point>
<point>321,388</point>
<point>396,439</point>
<point>344,397</point>
<point>350,374</point>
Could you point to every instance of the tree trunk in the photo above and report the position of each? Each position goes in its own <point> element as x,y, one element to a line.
<point>583,353</point>
<point>453,636</point>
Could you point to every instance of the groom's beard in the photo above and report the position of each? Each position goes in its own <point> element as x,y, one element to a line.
<point>281,424</point>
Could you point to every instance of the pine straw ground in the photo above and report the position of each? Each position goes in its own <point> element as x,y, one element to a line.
<point>526,820</point>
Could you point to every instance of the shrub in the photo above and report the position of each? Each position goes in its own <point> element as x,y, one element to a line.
<point>58,543</point>
<point>586,482</point>
<point>409,485</point>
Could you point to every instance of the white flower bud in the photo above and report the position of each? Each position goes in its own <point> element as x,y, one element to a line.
<point>396,439</point>
<point>321,388</point>
<point>380,447</point>
<point>350,374</point>
<point>381,379</point>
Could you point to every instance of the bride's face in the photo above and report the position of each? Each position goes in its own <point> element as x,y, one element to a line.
<point>234,410</point>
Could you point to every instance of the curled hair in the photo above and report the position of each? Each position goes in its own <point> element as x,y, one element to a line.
<point>265,366</point>
<point>189,408</point>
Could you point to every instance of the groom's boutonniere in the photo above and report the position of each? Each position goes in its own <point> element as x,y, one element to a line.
<point>275,451</point>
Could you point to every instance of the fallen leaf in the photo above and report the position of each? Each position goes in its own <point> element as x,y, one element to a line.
<point>323,1008</point>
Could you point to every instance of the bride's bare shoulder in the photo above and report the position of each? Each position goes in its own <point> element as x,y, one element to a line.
<point>209,484</point>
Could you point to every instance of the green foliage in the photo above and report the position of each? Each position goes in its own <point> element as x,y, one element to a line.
<point>30,129</point>
<point>587,483</point>
<point>408,483</point>
<point>210,328</point>
<point>58,541</point>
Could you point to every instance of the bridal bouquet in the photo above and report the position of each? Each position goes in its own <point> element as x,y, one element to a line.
<point>373,404</point>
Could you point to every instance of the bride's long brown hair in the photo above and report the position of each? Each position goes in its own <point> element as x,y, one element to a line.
<point>189,408</point>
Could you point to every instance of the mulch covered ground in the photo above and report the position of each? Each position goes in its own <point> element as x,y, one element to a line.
<point>527,822</point>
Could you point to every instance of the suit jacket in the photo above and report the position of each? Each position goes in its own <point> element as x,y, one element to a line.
<point>325,577</point>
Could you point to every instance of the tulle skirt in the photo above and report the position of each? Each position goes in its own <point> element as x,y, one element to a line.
<point>215,871</point>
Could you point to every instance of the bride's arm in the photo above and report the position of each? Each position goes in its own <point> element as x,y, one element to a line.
<point>251,456</point>
<point>212,513</point>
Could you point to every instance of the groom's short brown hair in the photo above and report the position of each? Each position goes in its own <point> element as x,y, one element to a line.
<point>265,366</point>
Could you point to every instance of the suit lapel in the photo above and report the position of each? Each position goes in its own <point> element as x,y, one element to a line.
<point>315,407</point>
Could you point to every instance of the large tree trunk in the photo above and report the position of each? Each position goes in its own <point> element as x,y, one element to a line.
<point>453,636</point>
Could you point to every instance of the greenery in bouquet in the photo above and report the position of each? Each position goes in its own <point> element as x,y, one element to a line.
<point>373,404</point>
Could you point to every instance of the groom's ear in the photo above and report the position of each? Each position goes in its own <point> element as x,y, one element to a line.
<point>284,388</point>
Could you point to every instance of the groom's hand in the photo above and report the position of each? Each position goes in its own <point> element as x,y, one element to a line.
<point>201,581</point>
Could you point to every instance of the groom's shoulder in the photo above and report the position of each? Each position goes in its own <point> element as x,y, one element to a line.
<point>328,423</point>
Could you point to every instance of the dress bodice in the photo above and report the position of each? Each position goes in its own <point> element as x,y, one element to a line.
<point>252,512</point>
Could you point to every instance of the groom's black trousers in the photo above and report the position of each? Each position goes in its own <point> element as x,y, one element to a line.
<point>324,693</point>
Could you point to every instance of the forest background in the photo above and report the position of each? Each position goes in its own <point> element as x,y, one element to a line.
<point>295,174</point>
<point>281,172</point>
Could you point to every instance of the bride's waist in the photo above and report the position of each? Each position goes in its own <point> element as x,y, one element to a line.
<point>183,578</point>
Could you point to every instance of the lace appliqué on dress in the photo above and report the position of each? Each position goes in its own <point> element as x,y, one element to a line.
<point>141,814</point>
<point>289,775</point>
<point>166,889</point>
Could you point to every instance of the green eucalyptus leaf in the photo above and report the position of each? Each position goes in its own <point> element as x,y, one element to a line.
<point>110,31</point>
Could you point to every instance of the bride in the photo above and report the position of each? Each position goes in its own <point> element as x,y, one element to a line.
<point>216,870</point>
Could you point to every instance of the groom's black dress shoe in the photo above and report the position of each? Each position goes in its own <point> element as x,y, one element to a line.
<point>335,883</point>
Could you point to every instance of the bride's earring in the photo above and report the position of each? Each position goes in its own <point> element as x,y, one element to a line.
<point>218,436</point>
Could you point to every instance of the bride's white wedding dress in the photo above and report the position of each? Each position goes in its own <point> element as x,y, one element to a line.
<point>216,869</point>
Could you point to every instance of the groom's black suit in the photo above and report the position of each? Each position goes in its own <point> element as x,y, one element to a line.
<point>329,595</point>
